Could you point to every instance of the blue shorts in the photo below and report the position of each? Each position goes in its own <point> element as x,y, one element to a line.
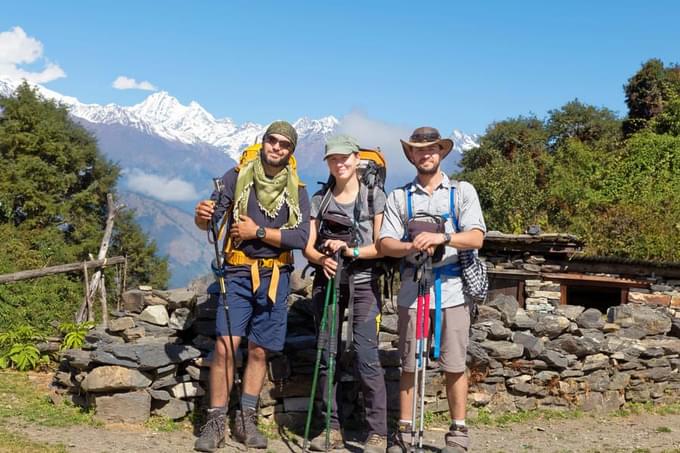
<point>253,315</point>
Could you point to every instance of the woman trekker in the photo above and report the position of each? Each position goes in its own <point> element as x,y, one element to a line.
<point>342,221</point>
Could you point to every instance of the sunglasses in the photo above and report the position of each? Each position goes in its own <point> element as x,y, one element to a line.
<point>425,137</point>
<point>283,144</point>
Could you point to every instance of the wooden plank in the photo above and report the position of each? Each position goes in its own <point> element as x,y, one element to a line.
<point>624,296</point>
<point>564,289</point>
<point>513,273</point>
<point>60,269</point>
<point>596,280</point>
<point>520,293</point>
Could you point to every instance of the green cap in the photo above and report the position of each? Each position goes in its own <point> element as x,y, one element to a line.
<point>282,128</point>
<point>341,144</point>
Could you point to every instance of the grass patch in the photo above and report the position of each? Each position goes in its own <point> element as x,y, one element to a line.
<point>486,418</point>
<point>166,425</point>
<point>648,408</point>
<point>19,397</point>
<point>16,443</point>
<point>663,429</point>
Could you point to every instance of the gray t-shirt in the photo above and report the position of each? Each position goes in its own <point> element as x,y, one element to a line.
<point>365,224</point>
<point>437,204</point>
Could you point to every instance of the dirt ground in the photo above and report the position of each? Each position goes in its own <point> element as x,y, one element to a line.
<point>635,433</point>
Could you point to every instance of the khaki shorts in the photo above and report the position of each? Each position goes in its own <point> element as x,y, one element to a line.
<point>454,340</point>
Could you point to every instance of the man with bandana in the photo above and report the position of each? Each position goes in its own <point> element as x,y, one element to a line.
<point>267,208</point>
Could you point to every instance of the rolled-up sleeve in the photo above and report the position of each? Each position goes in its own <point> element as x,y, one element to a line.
<point>471,217</point>
<point>393,223</point>
<point>296,238</point>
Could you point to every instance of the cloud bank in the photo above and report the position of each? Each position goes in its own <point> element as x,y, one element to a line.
<point>128,83</point>
<point>160,187</point>
<point>16,49</point>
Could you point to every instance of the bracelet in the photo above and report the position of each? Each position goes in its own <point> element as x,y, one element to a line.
<point>355,252</point>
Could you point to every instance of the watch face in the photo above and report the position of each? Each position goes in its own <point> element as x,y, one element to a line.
<point>260,233</point>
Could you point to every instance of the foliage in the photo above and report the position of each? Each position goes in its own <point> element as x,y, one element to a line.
<point>53,211</point>
<point>576,171</point>
<point>18,350</point>
<point>74,334</point>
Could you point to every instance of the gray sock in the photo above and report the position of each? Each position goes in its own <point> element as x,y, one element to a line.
<point>249,401</point>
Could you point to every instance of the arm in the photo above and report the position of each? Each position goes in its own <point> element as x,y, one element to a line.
<point>206,209</point>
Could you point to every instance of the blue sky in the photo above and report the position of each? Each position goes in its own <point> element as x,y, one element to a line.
<point>447,64</point>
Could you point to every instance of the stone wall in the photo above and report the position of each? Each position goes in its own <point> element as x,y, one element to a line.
<point>154,358</point>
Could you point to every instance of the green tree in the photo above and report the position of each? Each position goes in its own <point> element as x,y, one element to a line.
<point>53,209</point>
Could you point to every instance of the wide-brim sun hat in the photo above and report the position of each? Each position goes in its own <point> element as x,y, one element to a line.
<point>426,136</point>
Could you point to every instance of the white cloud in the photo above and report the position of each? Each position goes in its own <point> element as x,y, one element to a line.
<point>160,187</point>
<point>127,83</point>
<point>373,133</point>
<point>17,48</point>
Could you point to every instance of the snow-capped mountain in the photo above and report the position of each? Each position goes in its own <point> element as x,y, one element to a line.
<point>164,116</point>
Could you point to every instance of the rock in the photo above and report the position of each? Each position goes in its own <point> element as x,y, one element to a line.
<point>169,381</point>
<point>111,378</point>
<point>133,301</point>
<point>633,332</point>
<point>545,377</point>
<point>591,401</point>
<point>619,381</point>
<point>99,335</point>
<point>495,330</point>
<point>159,395</point>
<point>669,345</point>
<point>198,374</point>
<point>487,313</point>
<point>120,324</point>
<point>551,325</point>
<point>181,319</point>
<point>174,409</point>
<point>300,286</point>
<point>153,355</point>
<point>571,312</point>
<point>153,299</point>
<point>675,328</point>
<point>523,320</point>
<point>507,306</point>
<point>155,314</point>
<point>206,306</point>
<point>477,357</point>
<point>652,321</point>
<point>133,334</point>
<point>598,381</point>
<point>610,327</point>
<point>554,359</point>
<point>579,346</point>
<point>100,356</point>
<point>650,299</point>
<point>133,407</point>
<point>389,323</point>
<point>78,358</point>
<point>640,395</point>
<point>477,334</point>
<point>185,390</point>
<point>533,346</point>
<point>524,388</point>
<point>531,267</point>
<point>653,374</point>
<point>590,319</point>
<point>595,362</point>
<point>503,349</point>
<point>178,298</point>
<point>479,399</point>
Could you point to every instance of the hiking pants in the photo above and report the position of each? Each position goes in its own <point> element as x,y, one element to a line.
<point>365,361</point>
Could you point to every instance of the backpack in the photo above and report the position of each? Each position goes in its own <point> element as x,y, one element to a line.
<point>372,170</point>
<point>252,152</point>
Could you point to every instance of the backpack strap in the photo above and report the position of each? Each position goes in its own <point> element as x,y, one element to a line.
<point>454,205</point>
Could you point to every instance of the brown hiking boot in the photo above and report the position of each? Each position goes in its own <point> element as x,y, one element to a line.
<point>457,440</point>
<point>375,443</point>
<point>400,440</point>
<point>212,432</point>
<point>245,429</point>
<point>319,442</point>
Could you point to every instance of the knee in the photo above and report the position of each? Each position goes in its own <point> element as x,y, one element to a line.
<point>455,377</point>
<point>257,354</point>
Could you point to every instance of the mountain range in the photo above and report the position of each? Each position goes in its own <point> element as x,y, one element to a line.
<point>169,152</point>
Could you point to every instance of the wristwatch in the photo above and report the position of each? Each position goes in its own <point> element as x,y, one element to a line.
<point>260,233</point>
<point>447,238</point>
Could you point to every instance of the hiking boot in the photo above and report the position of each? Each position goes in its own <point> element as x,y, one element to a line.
<point>375,443</point>
<point>245,429</point>
<point>212,432</point>
<point>319,442</point>
<point>400,440</point>
<point>457,440</point>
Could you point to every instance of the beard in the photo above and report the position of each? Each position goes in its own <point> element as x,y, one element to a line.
<point>427,171</point>
<point>274,163</point>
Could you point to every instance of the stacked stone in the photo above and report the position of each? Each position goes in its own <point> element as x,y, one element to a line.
<point>521,261</point>
<point>573,357</point>
<point>541,295</point>
<point>664,293</point>
<point>141,364</point>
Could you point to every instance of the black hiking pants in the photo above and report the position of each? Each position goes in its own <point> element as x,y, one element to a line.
<point>363,350</point>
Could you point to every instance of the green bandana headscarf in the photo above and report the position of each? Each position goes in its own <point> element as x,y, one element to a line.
<point>271,193</point>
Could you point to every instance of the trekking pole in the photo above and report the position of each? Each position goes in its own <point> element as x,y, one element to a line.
<point>319,352</point>
<point>332,344</point>
<point>418,356</point>
<point>219,272</point>
<point>424,288</point>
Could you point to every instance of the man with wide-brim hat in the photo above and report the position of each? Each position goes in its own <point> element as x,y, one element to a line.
<point>461,227</point>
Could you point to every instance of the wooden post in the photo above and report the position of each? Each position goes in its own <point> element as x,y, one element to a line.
<point>88,301</point>
<point>105,308</point>
<point>563,294</point>
<point>103,248</point>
